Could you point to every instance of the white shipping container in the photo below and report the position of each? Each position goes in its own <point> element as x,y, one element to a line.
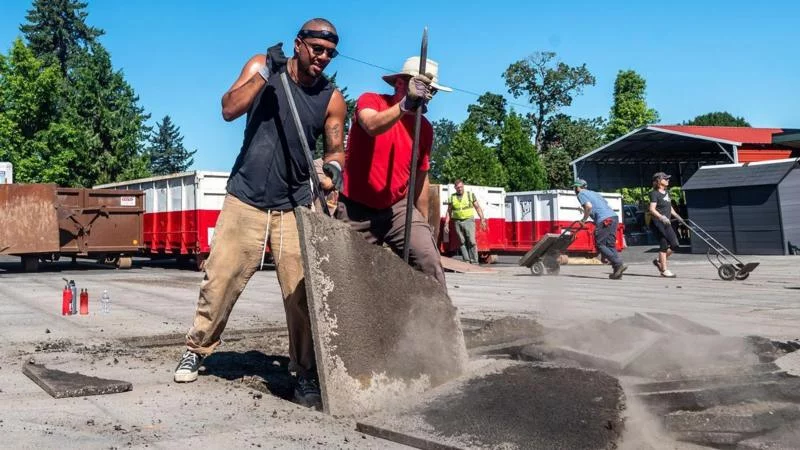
<point>6,173</point>
<point>491,199</point>
<point>184,191</point>
<point>551,206</point>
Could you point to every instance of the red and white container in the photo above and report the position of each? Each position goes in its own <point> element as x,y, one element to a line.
<point>532,214</point>
<point>181,211</point>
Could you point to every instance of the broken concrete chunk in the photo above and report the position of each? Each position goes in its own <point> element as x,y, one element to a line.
<point>506,404</point>
<point>785,437</point>
<point>741,418</point>
<point>63,384</point>
<point>384,333</point>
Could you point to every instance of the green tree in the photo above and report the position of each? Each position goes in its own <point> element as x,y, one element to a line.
<point>630,110</point>
<point>488,114</point>
<point>524,170</point>
<point>443,132</point>
<point>547,84</point>
<point>575,135</point>
<point>57,30</point>
<point>166,152</point>
<point>719,119</point>
<point>107,108</point>
<point>565,139</point>
<point>472,161</point>
<point>34,135</point>
<point>558,168</point>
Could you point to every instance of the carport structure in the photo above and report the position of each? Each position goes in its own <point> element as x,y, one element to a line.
<point>679,150</point>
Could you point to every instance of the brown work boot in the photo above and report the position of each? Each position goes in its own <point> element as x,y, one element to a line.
<point>617,274</point>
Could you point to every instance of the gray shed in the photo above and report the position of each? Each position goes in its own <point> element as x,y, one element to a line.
<point>752,209</point>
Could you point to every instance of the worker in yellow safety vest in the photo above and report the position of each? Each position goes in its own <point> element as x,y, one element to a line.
<point>461,209</point>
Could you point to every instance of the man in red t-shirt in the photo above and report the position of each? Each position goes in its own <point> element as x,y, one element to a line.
<point>377,167</point>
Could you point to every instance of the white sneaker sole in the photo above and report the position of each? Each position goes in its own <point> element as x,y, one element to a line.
<point>185,377</point>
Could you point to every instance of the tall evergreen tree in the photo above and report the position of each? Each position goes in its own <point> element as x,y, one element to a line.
<point>57,30</point>
<point>167,153</point>
<point>630,110</point>
<point>108,109</point>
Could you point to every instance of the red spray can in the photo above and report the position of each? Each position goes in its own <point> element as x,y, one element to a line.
<point>84,302</point>
<point>66,301</point>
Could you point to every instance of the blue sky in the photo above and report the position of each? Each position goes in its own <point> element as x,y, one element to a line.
<point>697,56</point>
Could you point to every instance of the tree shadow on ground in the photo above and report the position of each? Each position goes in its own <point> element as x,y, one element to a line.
<point>271,370</point>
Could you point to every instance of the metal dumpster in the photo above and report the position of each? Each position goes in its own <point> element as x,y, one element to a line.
<point>45,222</point>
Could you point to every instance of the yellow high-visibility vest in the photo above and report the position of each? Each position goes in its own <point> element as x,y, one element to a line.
<point>462,208</point>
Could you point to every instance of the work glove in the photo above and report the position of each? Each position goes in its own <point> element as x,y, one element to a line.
<point>418,93</point>
<point>664,220</point>
<point>275,58</point>
<point>333,171</point>
<point>447,228</point>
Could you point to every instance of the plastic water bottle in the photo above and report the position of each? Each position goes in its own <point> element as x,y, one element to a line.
<point>105,302</point>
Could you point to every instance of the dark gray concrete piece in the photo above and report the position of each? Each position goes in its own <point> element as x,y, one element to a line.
<point>503,330</point>
<point>710,438</point>
<point>513,348</point>
<point>783,438</point>
<point>517,405</point>
<point>384,333</point>
<point>63,384</point>
<point>697,399</point>
<point>741,418</point>
<point>705,382</point>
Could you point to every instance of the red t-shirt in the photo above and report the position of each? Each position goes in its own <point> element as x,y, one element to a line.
<point>376,170</point>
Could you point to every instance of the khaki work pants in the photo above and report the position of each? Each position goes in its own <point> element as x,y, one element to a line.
<point>387,226</point>
<point>237,249</point>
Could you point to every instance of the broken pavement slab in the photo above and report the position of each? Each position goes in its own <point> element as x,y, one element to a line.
<point>666,324</point>
<point>785,437</point>
<point>384,333</point>
<point>61,384</point>
<point>741,418</point>
<point>505,404</point>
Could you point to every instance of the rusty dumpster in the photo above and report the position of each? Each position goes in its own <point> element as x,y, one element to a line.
<point>43,222</point>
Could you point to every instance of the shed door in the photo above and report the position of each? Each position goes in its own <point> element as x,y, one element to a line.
<point>756,220</point>
<point>710,210</point>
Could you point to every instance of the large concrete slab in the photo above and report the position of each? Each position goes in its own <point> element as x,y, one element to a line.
<point>741,418</point>
<point>61,384</point>
<point>384,333</point>
<point>506,404</point>
<point>785,437</point>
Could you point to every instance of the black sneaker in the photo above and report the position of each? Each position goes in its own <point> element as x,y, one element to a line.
<point>187,369</point>
<point>306,392</point>
<point>618,272</point>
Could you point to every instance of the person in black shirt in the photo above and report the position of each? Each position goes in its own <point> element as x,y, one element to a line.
<point>270,178</point>
<point>662,213</point>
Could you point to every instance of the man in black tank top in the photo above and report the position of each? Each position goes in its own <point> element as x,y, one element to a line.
<point>269,179</point>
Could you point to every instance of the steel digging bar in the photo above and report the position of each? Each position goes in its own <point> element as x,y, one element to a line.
<point>412,184</point>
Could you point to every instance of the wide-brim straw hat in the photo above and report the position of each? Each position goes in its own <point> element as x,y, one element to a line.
<point>411,67</point>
